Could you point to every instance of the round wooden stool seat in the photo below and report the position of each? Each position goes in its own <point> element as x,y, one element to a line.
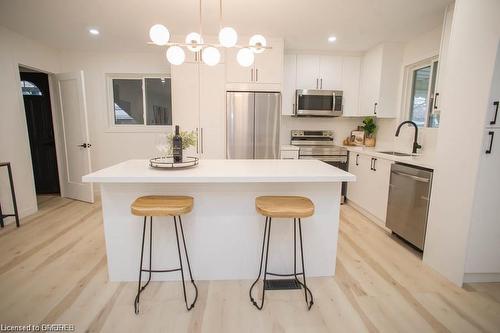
<point>162,205</point>
<point>284,206</point>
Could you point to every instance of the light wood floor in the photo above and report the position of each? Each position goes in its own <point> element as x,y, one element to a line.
<point>53,270</point>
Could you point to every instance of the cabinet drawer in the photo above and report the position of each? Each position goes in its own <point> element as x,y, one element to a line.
<point>289,154</point>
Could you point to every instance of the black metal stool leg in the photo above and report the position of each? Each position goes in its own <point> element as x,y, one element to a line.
<point>267,228</point>
<point>188,307</point>
<point>137,297</point>
<point>189,267</point>
<point>306,289</point>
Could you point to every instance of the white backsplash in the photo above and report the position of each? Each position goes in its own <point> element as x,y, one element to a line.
<point>387,140</point>
<point>341,127</point>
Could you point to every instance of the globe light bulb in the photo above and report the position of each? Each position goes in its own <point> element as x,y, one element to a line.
<point>257,43</point>
<point>245,57</point>
<point>210,56</point>
<point>228,37</point>
<point>194,40</point>
<point>176,55</point>
<point>159,34</point>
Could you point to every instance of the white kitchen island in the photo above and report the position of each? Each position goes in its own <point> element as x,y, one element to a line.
<point>223,232</point>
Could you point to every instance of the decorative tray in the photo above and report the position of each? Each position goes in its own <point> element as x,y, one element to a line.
<point>167,162</point>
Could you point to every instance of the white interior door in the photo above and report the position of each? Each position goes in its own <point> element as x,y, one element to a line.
<point>75,135</point>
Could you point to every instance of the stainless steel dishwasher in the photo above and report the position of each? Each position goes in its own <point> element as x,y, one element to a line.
<point>409,194</point>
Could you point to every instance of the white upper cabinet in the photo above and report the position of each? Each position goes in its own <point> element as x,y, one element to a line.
<point>234,71</point>
<point>307,71</point>
<point>289,85</point>
<point>330,72</point>
<point>322,72</point>
<point>319,72</point>
<point>269,64</point>
<point>267,67</point>
<point>379,84</point>
<point>351,68</point>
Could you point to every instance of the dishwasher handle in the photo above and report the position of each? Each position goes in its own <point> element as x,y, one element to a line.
<point>416,178</point>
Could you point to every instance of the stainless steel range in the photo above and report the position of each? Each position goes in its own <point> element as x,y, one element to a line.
<point>319,145</point>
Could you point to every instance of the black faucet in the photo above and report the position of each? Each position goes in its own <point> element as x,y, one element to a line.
<point>415,143</point>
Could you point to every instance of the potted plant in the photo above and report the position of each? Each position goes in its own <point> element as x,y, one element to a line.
<point>369,127</point>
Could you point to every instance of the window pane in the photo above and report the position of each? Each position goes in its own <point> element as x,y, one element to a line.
<point>433,116</point>
<point>419,101</point>
<point>29,88</point>
<point>158,102</point>
<point>128,102</point>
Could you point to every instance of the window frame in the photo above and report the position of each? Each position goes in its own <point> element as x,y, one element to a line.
<point>124,128</point>
<point>408,86</point>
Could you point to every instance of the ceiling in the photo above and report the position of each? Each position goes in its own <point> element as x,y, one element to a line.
<point>305,25</point>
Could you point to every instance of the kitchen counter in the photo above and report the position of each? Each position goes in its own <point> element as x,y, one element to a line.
<point>418,160</point>
<point>223,171</point>
<point>224,231</point>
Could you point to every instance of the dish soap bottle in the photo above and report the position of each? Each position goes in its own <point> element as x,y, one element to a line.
<point>177,146</point>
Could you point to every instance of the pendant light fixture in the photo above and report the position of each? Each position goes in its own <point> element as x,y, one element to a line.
<point>210,53</point>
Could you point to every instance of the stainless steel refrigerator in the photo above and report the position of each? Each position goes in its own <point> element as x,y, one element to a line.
<point>252,125</point>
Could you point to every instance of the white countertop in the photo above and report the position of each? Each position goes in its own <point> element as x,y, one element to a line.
<point>223,171</point>
<point>418,160</point>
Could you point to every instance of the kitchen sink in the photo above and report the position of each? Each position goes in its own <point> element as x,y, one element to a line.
<point>395,153</point>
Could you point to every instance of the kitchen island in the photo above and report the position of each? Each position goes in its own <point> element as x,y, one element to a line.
<point>223,232</point>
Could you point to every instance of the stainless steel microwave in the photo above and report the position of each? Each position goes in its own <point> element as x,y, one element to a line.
<point>318,103</point>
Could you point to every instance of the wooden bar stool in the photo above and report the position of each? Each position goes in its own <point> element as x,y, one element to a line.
<point>283,207</point>
<point>159,205</point>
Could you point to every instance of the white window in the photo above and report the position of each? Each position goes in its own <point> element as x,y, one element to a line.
<point>139,101</point>
<point>420,83</point>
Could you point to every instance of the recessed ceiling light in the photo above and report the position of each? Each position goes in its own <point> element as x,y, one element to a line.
<point>332,39</point>
<point>93,31</point>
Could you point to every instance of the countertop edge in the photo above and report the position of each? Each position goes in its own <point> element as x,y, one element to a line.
<point>217,180</point>
<point>400,159</point>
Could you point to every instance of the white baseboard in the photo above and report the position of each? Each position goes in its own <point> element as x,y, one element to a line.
<point>22,214</point>
<point>368,215</point>
<point>481,277</point>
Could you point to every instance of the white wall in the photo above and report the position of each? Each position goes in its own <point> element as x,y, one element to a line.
<point>110,147</point>
<point>422,47</point>
<point>475,33</point>
<point>14,142</point>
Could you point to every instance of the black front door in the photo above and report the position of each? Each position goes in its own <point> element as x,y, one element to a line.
<point>35,88</point>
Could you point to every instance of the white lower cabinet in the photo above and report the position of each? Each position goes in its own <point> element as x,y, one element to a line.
<point>370,191</point>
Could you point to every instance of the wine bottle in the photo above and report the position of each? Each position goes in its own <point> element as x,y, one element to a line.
<point>177,146</point>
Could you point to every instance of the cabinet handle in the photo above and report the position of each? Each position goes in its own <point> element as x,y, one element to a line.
<point>372,164</point>
<point>201,142</point>
<point>375,108</point>
<point>197,140</point>
<point>317,83</point>
<point>357,156</point>
<point>494,121</point>
<point>491,134</point>
<point>251,75</point>
<point>256,75</point>
<point>321,83</point>
<point>436,95</point>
